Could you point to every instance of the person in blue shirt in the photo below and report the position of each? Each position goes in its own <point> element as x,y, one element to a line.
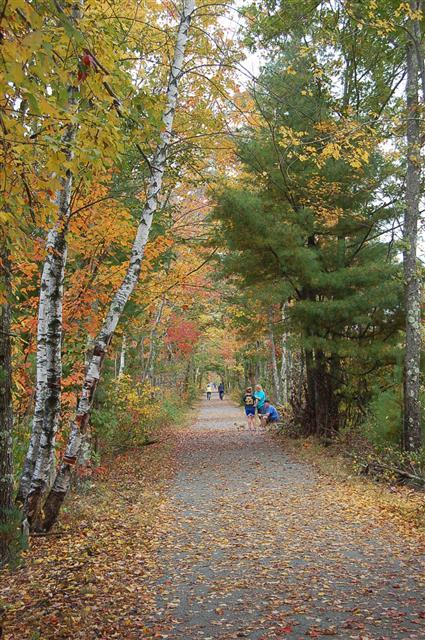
<point>270,415</point>
<point>260,398</point>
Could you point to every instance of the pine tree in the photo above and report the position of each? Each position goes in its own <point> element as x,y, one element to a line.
<point>302,221</point>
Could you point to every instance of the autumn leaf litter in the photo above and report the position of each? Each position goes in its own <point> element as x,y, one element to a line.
<point>215,532</point>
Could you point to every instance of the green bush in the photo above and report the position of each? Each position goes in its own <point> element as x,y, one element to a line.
<point>383,430</point>
<point>12,537</point>
<point>126,413</point>
<point>383,424</point>
<point>172,411</point>
<point>21,436</point>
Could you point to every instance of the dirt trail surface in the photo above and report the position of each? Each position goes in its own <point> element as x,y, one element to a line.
<point>214,532</point>
<point>259,547</point>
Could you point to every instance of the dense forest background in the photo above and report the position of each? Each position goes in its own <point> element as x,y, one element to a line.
<point>167,217</point>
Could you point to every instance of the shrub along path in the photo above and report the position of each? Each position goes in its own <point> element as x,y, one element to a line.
<point>217,533</point>
<point>261,547</point>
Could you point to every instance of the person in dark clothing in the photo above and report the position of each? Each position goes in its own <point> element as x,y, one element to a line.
<point>221,390</point>
<point>249,403</point>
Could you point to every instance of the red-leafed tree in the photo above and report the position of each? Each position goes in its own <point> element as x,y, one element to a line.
<point>182,335</point>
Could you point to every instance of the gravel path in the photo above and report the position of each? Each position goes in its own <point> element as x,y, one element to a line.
<point>260,547</point>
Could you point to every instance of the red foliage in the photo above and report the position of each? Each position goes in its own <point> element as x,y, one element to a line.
<point>183,334</point>
<point>81,75</point>
<point>87,60</point>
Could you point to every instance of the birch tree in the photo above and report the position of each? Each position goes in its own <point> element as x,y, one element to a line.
<point>122,356</point>
<point>49,338</point>
<point>40,386</point>
<point>150,364</point>
<point>49,333</point>
<point>273,356</point>
<point>49,366</point>
<point>79,424</point>
<point>412,409</point>
<point>40,456</point>
<point>284,364</point>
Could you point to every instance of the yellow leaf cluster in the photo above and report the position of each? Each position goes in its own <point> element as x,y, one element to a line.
<point>405,9</point>
<point>340,139</point>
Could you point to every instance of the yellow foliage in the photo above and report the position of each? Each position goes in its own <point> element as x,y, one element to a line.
<point>404,8</point>
<point>341,139</point>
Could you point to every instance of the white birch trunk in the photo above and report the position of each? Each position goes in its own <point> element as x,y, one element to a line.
<point>51,370</point>
<point>142,358</point>
<point>40,387</point>
<point>89,349</point>
<point>284,370</point>
<point>41,453</point>
<point>79,425</point>
<point>150,365</point>
<point>275,373</point>
<point>284,364</point>
<point>412,437</point>
<point>122,356</point>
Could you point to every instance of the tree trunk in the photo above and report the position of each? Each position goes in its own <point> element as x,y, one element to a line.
<point>142,358</point>
<point>416,31</point>
<point>48,417</point>
<point>250,374</point>
<point>150,364</point>
<point>310,427</point>
<point>275,373</point>
<point>79,425</point>
<point>40,456</point>
<point>300,358</point>
<point>122,356</point>
<point>88,352</point>
<point>187,374</point>
<point>48,362</point>
<point>412,291</point>
<point>6,415</point>
<point>326,400</point>
<point>320,393</point>
<point>284,365</point>
<point>40,388</point>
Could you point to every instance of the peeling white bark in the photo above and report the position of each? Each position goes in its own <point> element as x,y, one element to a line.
<point>285,361</point>
<point>122,356</point>
<point>40,457</point>
<point>79,425</point>
<point>40,386</point>
<point>276,380</point>
<point>149,371</point>
<point>412,436</point>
